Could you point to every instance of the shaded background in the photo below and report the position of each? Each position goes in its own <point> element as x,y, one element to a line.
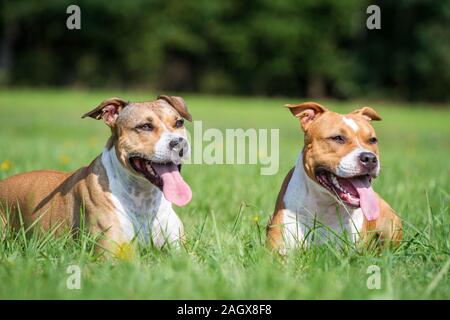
<point>291,48</point>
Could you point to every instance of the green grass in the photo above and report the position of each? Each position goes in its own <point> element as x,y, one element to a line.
<point>225,256</point>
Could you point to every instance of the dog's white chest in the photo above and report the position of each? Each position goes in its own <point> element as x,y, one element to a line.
<point>141,209</point>
<point>312,217</point>
<point>135,211</point>
<point>309,227</point>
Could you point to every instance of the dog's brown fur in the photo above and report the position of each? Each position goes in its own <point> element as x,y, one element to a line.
<point>57,199</point>
<point>317,124</point>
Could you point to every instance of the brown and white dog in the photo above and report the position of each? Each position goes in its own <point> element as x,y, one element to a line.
<point>328,194</point>
<point>126,192</point>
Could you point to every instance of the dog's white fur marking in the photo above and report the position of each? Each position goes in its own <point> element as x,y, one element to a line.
<point>312,215</point>
<point>164,153</point>
<point>351,123</point>
<point>349,165</point>
<point>141,208</point>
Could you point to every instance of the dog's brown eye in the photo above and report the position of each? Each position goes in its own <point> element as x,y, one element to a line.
<point>179,123</point>
<point>338,138</point>
<point>373,140</point>
<point>145,127</point>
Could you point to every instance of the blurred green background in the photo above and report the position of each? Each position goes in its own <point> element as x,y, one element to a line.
<point>212,53</point>
<point>314,48</point>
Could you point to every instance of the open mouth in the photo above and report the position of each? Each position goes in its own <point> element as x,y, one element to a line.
<point>354,192</point>
<point>166,176</point>
<point>340,187</point>
<point>146,168</point>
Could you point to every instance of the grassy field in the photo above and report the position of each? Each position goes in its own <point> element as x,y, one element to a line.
<point>225,256</point>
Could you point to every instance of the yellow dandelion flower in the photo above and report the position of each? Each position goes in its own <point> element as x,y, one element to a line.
<point>5,165</point>
<point>255,219</point>
<point>124,251</point>
<point>64,159</point>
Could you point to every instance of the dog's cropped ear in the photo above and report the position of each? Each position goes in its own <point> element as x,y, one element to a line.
<point>368,113</point>
<point>108,110</point>
<point>306,112</point>
<point>178,104</point>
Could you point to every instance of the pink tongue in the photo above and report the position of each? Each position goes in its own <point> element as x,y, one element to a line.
<point>367,198</point>
<point>175,189</point>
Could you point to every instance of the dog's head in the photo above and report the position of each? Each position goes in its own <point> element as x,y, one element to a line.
<point>150,140</point>
<point>341,153</point>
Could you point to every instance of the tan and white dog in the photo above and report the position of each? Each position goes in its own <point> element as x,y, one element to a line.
<point>328,194</point>
<point>126,192</point>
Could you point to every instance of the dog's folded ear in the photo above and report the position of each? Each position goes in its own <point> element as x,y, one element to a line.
<point>178,104</point>
<point>108,110</point>
<point>368,113</point>
<point>306,112</point>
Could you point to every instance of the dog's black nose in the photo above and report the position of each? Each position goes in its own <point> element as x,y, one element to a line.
<point>368,160</point>
<point>174,142</point>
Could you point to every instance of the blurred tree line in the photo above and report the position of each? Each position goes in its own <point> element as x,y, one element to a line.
<point>309,48</point>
